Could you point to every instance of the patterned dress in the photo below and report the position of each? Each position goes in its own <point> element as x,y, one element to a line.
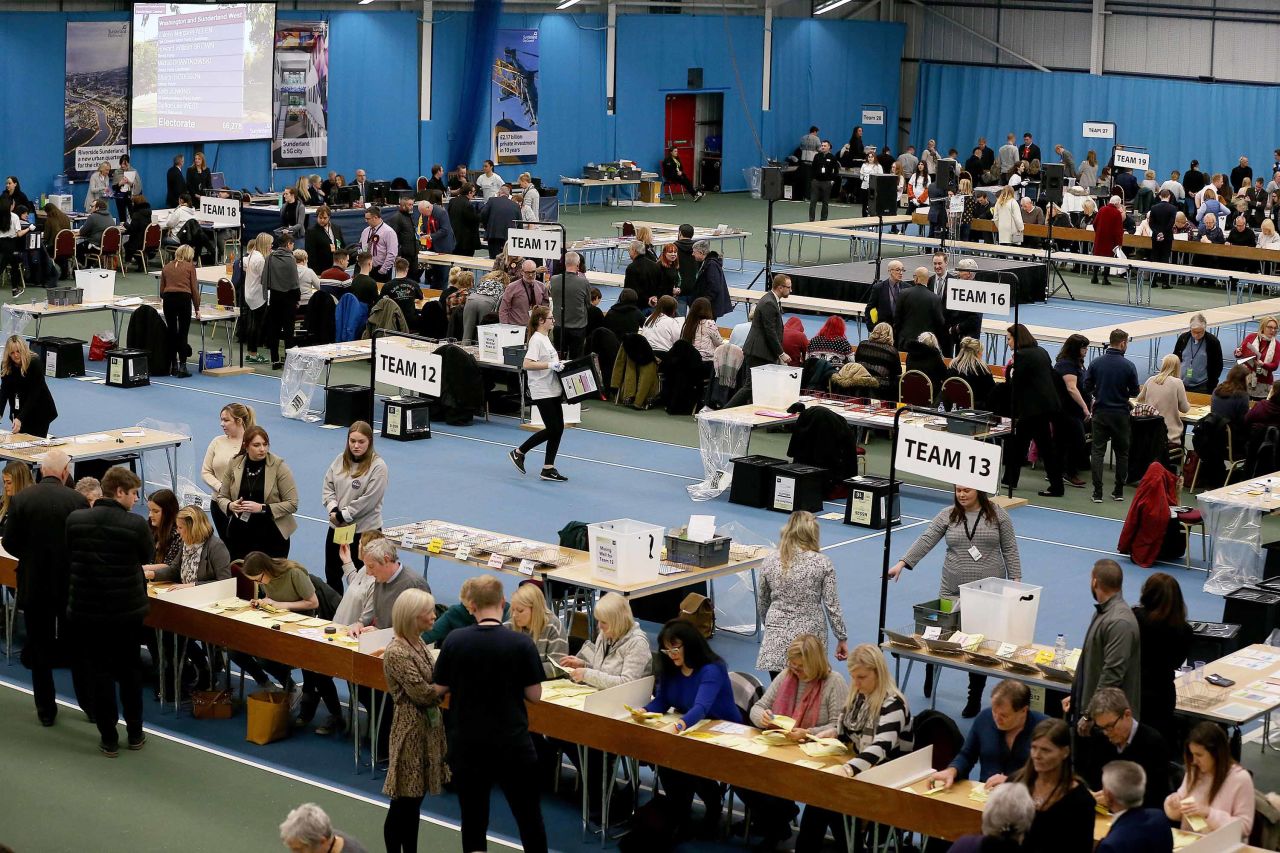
<point>417,743</point>
<point>792,603</point>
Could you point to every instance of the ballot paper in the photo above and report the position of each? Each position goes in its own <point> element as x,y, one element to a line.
<point>344,535</point>
<point>979,794</point>
<point>823,747</point>
<point>811,765</point>
<point>133,433</point>
<point>773,737</point>
<point>91,439</point>
<point>1197,823</point>
<point>702,528</point>
<point>783,722</point>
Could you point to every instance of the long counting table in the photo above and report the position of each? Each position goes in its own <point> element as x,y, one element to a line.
<point>31,449</point>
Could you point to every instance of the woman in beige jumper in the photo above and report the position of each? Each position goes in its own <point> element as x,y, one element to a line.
<point>417,742</point>
<point>1167,394</point>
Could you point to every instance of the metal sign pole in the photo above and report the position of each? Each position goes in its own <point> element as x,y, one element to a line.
<point>564,249</point>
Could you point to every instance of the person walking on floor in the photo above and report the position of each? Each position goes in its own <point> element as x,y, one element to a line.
<point>980,544</point>
<point>106,603</point>
<point>1113,382</point>
<point>33,534</point>
<point>489,673</point>
<point>542,363</point>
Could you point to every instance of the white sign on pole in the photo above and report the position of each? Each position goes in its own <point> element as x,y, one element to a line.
<point>221,210</point>
<point>406,367</point>
<point>955,204</point>
<point>1131,159</point>
<point>949,458</point>
<point>1099,130</point>
<point>873,116</point>
<point>986,297</point>
<point>540,243</point>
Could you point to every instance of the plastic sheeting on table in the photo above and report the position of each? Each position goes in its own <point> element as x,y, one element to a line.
<point>14,322</point>
<point>302,376</point>
<point>736,606</point>
<point>1236,531</point>
<point>720,440</point>
<point>189,490</point>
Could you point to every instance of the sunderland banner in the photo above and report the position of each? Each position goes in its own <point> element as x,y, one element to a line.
<point>514,99</point>
<point>301,128</point>
<point>96,103</point>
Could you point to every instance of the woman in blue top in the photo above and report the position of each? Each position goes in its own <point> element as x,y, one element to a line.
<point>694,681</point>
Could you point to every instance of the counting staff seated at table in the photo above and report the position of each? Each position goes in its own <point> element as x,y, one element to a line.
<point>1216,789</point>
<point>529,615</point>
<point>1120,737</point>
<point>286,586</point>
<point>1006,820</point>
<point>1064,807</point>
<point>662,329</point>
<point>460,615</point>
<point>876,725</point>
<point>810,696</point>
<point>999,741</point>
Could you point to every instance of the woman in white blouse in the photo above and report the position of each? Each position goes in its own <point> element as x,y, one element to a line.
<point>542,364</point>
<point>663,328</point>
<point>99,185</point>
<point>235,418</point>
<point>254,294</point>
<point>1268,239</point>
<point>700,329</point>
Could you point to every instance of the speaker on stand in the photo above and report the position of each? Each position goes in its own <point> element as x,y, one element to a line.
<point>1051,194</point>
<point>771,191</point>
<point>882,200</point>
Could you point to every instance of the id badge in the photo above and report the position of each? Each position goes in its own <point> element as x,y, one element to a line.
<point>975,553</point>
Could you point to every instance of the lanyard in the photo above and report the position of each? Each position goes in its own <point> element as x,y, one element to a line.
<point>965,522</point>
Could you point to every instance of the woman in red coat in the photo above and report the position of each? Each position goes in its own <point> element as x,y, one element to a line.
<point>1144,527</point>
<point>1108,234</point>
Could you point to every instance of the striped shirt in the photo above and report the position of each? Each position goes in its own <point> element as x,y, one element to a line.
<point>876,738</point>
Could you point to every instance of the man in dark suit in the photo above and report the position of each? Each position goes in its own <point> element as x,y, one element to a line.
<point>465,220</point>
<point>1029,150</point>
<point>433,220</point>
<point>402,223</point>
<point>764,342</point>
<point>644,276</point>
<point>1123,738</point>
<point>919,310</point>
<point>362,186</point>
<point>1161,217</point>
<point>34,535</point>
<point>883,298</point>
<point>496,216</point>
<point>175,182</point>
<point>1134,829</point>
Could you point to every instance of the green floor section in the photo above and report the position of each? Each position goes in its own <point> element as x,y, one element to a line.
<point>169,796</point>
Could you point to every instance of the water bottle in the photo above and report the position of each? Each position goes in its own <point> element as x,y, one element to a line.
<point>1060,650</point>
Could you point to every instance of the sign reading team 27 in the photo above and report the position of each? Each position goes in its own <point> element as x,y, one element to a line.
<point>948,457</point>
<point>539,243</point>
<point>406,367</point>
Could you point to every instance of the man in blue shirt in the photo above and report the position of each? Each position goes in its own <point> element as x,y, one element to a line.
<point>1000,740</point>
<point>1113,381</point>
<point>1134,829</point>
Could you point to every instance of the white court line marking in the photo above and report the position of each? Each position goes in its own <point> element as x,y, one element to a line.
<point>277,771</point>
<point>877,533</point>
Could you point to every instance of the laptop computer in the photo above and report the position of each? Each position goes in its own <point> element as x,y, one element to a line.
<point>218,180</point>
<point>611,702</point>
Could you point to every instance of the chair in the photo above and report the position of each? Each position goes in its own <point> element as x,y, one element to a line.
<point>150,243</point>
<point>422,184</point>
<point>226,293</point>
<point>399,184</point>
<point>628,230</point>
<point>747,691</point>
<point>109,248</point>
<point>1189,520</point>
<point>1231,461</point>
<point>957,393</point>
<point>915,389</point>
<point>64,248</point>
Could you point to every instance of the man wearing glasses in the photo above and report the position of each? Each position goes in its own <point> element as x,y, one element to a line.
<point>1120,737</point>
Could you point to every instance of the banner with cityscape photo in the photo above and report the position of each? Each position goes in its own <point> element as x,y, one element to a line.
<point>300,136</point>
<point>513,102</point>
<point>97,96</point>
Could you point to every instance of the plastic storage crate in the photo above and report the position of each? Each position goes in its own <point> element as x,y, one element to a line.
<point>701,554</point>
<point>930,614</point>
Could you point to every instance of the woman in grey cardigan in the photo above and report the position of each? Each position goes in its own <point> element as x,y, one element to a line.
<point>352,492</point>
<point>796,586</point>
<point>980,544</point>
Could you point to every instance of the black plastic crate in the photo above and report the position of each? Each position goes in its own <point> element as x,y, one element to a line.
<point>700,554</point>
<point>514,355</point>
<point>753,480</point>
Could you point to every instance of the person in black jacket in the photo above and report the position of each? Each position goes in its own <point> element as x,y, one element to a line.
<point>34,535</point>
<point>919,310</point>
<point>825,169</point>
<point>402,223</point>
<point>688,265</point>
<point>644,276</point>
<point>322,238</point>
<point>1161,217</point>
<point>293,216</point>
<point>1035,403</point>
<point>465,220</point>
<point>136,233</point>
<point>624,317</point>
<point>883,299</point>
<point>175,182</point>
<point>497,215</point>
<point>23,389</point>
<point>107,602</point>
<point>1201,355</point>
<point>199,178</point>
<point>1119,736</point>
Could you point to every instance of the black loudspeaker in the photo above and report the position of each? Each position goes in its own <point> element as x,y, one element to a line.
<point>947,172</point>
<point>695,78</point>
<point>882,196</point>
<point>771,183</point>
<point>1051,185</point>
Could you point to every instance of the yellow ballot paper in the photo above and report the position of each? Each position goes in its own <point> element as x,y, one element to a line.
<point>642,714</point>
<point>1197,823</point>
<point>772,737</point>
<point>344,535</point>
<point>784,723</point>
<point>812,765</point>
<point>823,746</point>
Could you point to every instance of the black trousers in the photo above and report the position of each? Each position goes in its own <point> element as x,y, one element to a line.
<point>680,788</point>
<point>496,245</point>
<point>257,327</point>
<point>259,533</point>
<point>770,816</point>
<point>474,780</point>
<point>813,826</point>
<point>219,520</point>
<point>317,688</point>
<point>9,258</point>
<point>553,429</point>
<point>177,321</point>
<point>47,639</point>
<point>258,669</point>
<point>333,562</point>
<point>1113,426</point>
<point>683,180</point>
<point>281,311</point>
<point>1032,428</point>
<point>109,662</point>
<point>1068,435</point>
<point>400,829</point>
<point>819,191</point>
<point>571,341</point>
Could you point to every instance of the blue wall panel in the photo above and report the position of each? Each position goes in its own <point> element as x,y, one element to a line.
<point>956,104</point>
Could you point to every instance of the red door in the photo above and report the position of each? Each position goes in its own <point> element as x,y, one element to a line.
<point>681,121</point>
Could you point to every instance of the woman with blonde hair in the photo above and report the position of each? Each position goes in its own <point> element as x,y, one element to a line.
<point>417,765</point>
<point>808,696</point>
<point>1008,216</point>
<point>620,651</point>
<point>255,295</point>
<point>1166,392</point>
<point>797,584</point>
<point>17,476</point>
<point>352,492</point>
<point>1268,239</point>
<point>23,389</point>
<point>969,366</point>
<point>529,615</point>
<point>1264,350</point>
<point>878,355</point>
<point>234,419</point>
<point>203,557</point>
<point>875,723</point>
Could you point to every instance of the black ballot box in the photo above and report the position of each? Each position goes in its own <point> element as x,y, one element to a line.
<point>406,418</point>
<point>346,404</point>
<point>1256,611</point>
<point>1211,641</point>
<point>873,502</point>
<point>128,368</point>
<point>797,487</point>
<point>63,357</point>
<point>753,480</point>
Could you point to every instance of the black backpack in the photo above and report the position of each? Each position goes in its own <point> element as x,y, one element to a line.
<point>574,535</point>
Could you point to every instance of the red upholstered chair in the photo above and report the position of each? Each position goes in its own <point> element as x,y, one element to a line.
<point>1189,520</point>
<point>957,393</point>
<point>64,247</point>
<point>422,183</point>
<point>150,243</point>
<point>109,249</point>
<point>915,389</point>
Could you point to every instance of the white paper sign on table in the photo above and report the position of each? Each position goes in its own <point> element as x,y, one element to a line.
<point>702,528</point>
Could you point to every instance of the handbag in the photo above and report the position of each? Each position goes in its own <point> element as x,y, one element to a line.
<point>268,717</point>
<point>211,704</point>
<point>98,347</point>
